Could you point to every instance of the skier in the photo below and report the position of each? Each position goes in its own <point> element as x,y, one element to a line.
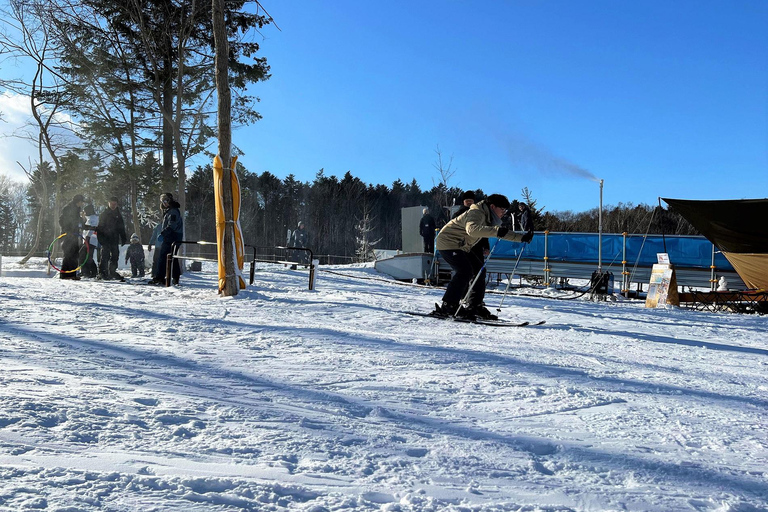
<point>70,223</point>
<point>111,235</point>
<point>482,248</point>
<point>427,231</point>
<point>89,234</point>
<point>172,231</point>
<point>135,253</point>
<point>455,242</point>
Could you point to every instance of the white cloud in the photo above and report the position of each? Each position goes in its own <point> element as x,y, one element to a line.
<point>15,128</point>
<point>16,114</point>
<point>15,108</point>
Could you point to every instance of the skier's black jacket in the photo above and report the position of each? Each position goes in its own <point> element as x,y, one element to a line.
<point>70,220</point>
<point>111,229</point>
<point>427,226</point>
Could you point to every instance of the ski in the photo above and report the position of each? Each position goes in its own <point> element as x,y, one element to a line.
<point>479,321</point>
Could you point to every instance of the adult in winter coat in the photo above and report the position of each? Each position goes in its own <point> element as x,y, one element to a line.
<point>153,242</point>
<point>111,235</point>
<point>300,238</point>
<point>482,248</point>
<point>89,234</point>
<point>427,231</point>
<point>524,218</point>
<point>70,222</point>
<point>455,242</point>
<point>172,231</point>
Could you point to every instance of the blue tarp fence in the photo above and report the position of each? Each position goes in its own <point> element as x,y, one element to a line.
<point>684,251</point>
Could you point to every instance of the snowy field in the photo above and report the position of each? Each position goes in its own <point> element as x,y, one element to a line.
<point>129,397</point>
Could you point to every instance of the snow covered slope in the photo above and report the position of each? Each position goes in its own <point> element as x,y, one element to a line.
<point>129,397</point>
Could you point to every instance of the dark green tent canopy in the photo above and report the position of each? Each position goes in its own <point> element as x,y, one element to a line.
<point>738,226</point>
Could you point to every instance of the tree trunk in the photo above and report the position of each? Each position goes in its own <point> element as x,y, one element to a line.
<point>167,126</point>
<point>231,286</point>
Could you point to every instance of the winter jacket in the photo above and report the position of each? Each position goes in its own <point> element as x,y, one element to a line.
<point>525,221</point>
<point>427,226</point>
<point>111,228</point>
<point>466,230</point>
<point>300,238</point>
<point>135,253</point>
<point>89,231</point>
<point>483,245</point>
<point>173,224</point>
<point>69,220</point>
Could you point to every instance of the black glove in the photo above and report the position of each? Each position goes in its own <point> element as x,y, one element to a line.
<point>149,247</point>
<point>503,230</point>
<point>527,237</point>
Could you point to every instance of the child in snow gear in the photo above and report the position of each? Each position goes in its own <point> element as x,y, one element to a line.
<point>455,242</point>
<point>135,253</point>
<point>70,223</point>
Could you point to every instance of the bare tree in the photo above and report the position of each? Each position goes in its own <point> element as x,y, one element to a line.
<point>364,228</point>
<point>26,35</point>
<point>441,192</point>
<point>40,188</point>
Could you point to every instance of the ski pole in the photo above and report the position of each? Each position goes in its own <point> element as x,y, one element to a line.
<point>509,281</point>
<point>465,300</point>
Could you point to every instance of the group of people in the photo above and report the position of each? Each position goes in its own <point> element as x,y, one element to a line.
<point>105,233</point>
<point>463,244</point>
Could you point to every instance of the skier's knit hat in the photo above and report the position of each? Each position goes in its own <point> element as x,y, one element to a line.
<point>134,237</point>
<point>299,224</point>
<point>468,195</point>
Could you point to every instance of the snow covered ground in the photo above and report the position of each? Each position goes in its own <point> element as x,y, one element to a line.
<point>127,397</point>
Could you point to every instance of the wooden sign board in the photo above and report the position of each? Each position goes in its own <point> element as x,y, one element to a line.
<point>663,287</point>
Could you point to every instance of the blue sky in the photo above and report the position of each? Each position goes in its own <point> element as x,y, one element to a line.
<point>658,98</point>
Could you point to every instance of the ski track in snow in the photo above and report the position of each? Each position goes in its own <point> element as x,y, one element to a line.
<point>126,397</point>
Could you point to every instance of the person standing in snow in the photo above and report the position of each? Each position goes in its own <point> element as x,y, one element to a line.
<point>111,235</point>
<point>455,242</point>
<point>70,222</point>
<point>135,253</point>
<point>524,219</point>
<point>171,231</point>
<point>467,200</point>
<point>427,231</point>
<point>89,234</point>
<point>155,252</point>
<point>300,238</point>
